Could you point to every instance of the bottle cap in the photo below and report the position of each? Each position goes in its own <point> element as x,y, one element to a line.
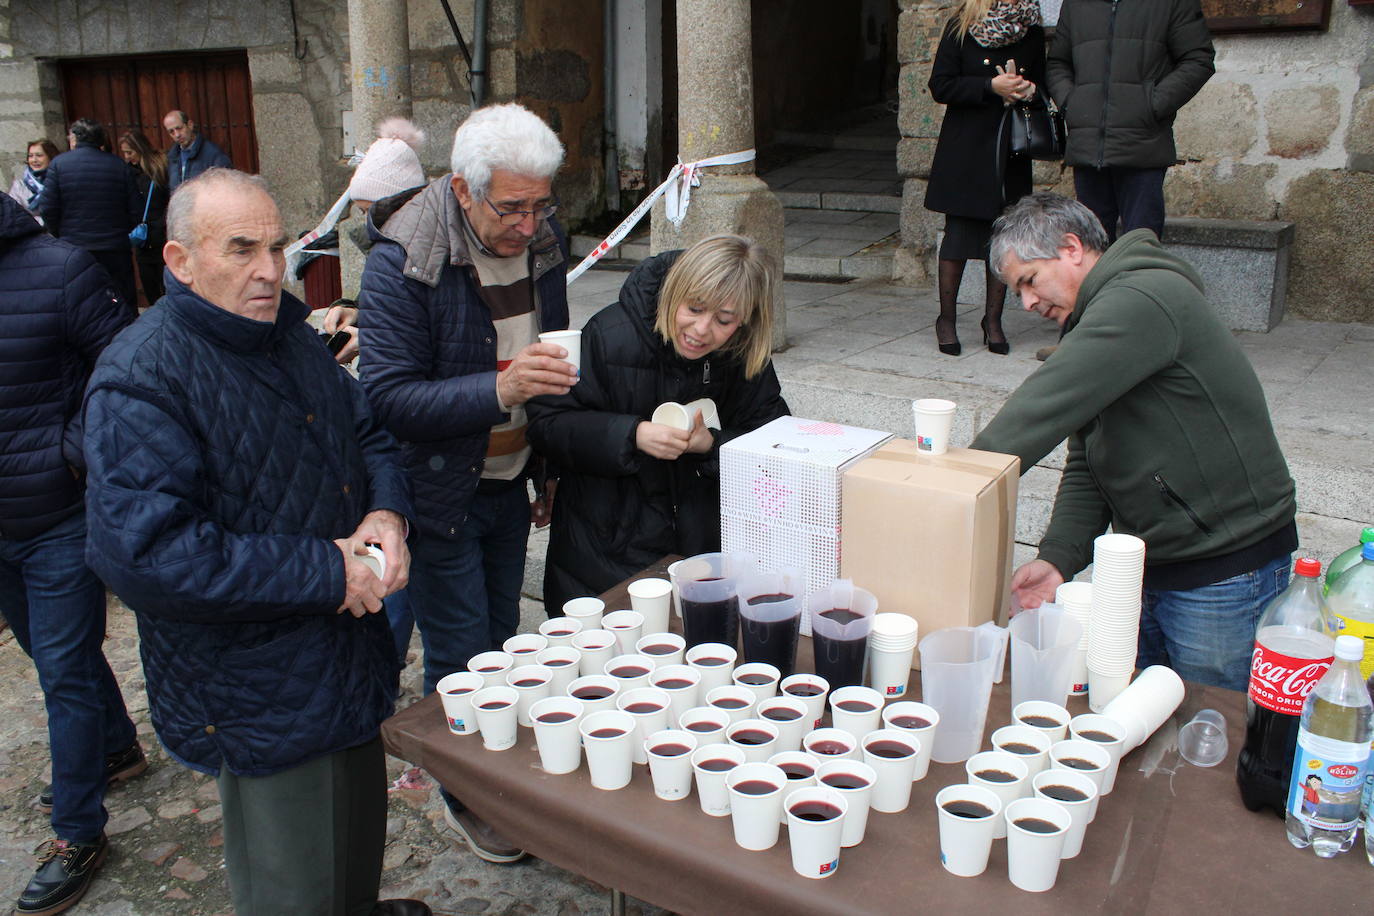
<point>1367,552</point>
<point>1367,535</point>
<point>1307,567</point>
<point>1349,648</point>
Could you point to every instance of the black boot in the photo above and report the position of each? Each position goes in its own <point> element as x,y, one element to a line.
<point>64,872</point>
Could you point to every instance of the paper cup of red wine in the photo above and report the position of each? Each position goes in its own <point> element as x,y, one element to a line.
<point>800,768</point>
<point>968,819</point>
<point>1104,731</point>
<point>1050,718</point>
<point>1001,773</point>
<point>597,648</point>
<point>760,678</point>
<point>1086,757</point>
<point>706,723</point>
<point>524,646</point>
<point>586,611</point>
<point>531,683</point>
<point>738,702</point>
<point>919,721</point>
<point>1077,794</point>
<point>630,670</point>
<point>556,735</point>
<point>854,781</point>
<point>559,631</point>
<point>683,686</point>
<point>596,691</point>
<point>455,691</point>
<point>789,716</point>
<point>651,598</point>
<point>815,828</point>
<point>756,793</point>
<point>755,737</point>
<point>670,762</point>
<point>892,755</point>
<point>562,663</point>
<point>811,689</point>
<point>492,666</point>
<point>831,744</point>
<point>1030,745</point>
<point>495,711</point>
<point>712,764</point>
<point>648,707</point>
<point>715,662</point>
<point>607,737</point>
<point>627,626</point>
<point>663,648</point>
<point>857,710</point>
<point>1036,829</point>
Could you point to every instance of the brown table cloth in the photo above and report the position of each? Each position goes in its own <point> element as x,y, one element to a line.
<point>1174,840</point>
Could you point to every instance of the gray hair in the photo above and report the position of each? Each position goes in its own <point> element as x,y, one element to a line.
<point>181,220</point>
<point>509,137</point>
<point>1034,227</point>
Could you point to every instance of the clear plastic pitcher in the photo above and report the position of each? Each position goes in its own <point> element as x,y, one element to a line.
<point>706,586</point>
<point>958,668</point>
<point>841,618</point>
<point>1044,646</point>
<point>770,608</point>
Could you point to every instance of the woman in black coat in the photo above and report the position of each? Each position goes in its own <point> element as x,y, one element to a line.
<point>150,164</point>
<point>992,54</point>
<point>689,325</point>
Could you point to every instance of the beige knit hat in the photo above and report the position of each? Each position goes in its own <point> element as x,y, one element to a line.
<point>391,164</point>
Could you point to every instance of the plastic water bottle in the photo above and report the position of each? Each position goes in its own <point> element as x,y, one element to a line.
<point>1345,560</point>
<point>1332,757</point>
<point>1352,601</point>
<point>1368,802</point>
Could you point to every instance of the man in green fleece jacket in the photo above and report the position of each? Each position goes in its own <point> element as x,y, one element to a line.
<point>1169,437</point>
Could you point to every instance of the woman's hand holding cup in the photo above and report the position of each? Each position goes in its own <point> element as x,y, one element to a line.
<point>658,440</point>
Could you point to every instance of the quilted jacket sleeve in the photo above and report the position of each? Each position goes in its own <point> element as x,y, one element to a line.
<point>398,359</point>
<point>152,545</point>
<point>1059,72</point>
<point>93,316</point>
<point>388,485</point>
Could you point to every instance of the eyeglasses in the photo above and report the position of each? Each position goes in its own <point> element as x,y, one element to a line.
<point>516,217</point>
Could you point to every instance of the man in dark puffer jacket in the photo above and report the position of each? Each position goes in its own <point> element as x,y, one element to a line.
<point>236,475</point>
<point>57,312</point>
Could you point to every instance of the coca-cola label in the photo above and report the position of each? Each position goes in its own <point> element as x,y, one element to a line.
<point>1280,682</point>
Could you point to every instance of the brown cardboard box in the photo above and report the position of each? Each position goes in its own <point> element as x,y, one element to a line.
<point>932,536</point>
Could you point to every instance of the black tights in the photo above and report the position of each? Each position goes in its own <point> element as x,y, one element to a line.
<point>951,273</point>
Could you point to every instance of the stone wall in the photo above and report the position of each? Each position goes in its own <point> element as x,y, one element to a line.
<point>1284,130</point>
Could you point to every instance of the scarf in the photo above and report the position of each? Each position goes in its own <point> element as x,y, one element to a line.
<point>34,182</point>
<point>1006,23</point>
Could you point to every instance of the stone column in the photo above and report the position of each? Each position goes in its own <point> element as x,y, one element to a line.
<point>716,116</point>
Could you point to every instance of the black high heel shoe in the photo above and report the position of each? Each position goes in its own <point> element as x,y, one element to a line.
<point>1001,348</point>
<point>949,349</point>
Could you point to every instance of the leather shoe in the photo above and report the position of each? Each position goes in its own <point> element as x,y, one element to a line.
<point>1045,353</point>
<point>64,872</point>
<point>401,908</point>
<point>478,834</point>
<point>121,766</point>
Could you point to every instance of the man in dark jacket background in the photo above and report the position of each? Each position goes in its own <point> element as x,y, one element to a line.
<point>1121,70</point>
<point>91,200</point>
<point>236,475</point>
<point>191,153</point>
<point>57,312</point>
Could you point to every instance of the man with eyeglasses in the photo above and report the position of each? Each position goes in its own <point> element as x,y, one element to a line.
<point>463,275</point>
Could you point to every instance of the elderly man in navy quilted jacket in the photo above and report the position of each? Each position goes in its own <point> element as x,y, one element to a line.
<point>57,312</point>
<point>236,475</point>
<point>462,276</point>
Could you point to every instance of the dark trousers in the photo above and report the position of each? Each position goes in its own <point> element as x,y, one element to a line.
<point>307,841</point>
<point>120,266</point>
<point>1135,197</point>
<point>56,607</point>
<point>150,273</point>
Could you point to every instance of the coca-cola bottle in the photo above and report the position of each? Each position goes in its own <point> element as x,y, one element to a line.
<point>1294,645</point>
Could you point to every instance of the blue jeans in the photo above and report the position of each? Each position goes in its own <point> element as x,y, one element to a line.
<point>56,607</point>
<point>1207,634</point>
<point>1135,196</point>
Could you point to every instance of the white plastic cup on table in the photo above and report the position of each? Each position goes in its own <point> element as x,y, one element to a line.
<point>559,631</point>
<point>1036,831</point>
<point>531,684</point>
<point>712,763</point>
<point>1085,757</point>
<point>1077,794</point>
<point>524,646</point>
<point>597,648</point>
<point>596,691</point>
<point>706,723</point>
<point>892,755</point>
<point>1029,745</point>
<point>789,716</point>
<point>562,663</point>
<point>891,646</point>
<point>715,662</point>
<point>831,744</point>
<point>815,829</point>
<point>492,666</point>
<point>556,735</point>
<point>628,627</point>
<point>854,780</point>
<point>857,710</point>
<point>630,670</point>
<point>1146,704</point>
<point>663,648</point>
<point>1103,688</point>
<point>934,418</point>
<point>670,762</point>
<point>756,795</point>
<point>759,678</point>
<point>586,611</point>
<point>811,689</point>
<point>1050,718</point>
<point>1002,774</point>
<point>651,598</point>
<point>920,722</point>
<point>495,711</point>
<point>607,740</point>
<point>738,702</point>
<point>755,737</point>
<point>968,818</point>
<point>683,686</point>
<point>1106,732</point>
<point>568,340</point>
<point>455,691</point>
<point>648,707</point>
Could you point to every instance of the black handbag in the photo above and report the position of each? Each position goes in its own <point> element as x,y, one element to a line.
<point>1036,132</point>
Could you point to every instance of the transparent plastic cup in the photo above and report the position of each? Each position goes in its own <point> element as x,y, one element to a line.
<point>958,668</point>
<point>1202,742</point>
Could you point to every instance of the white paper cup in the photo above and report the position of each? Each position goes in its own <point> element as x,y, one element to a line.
<point>586,611</point>
<point>801,687</point>
<point>375,560</point>
<point>706,723</point>
<point>755,737</point>
<point>715,662</point>
<point>492,666</point>
<point>562,662</point>
<point>648,707</point>
<point>1106,732</point>
<point>1050,718</point>
<point>1029,745</point>
<point>664,648</point>
<point>815,827</point>
<point>712,764</point>
<point>651,598</point>
<point>672,573</point>
<point>523,647</point>
<point>1058,786</point>
<point>767,677</point>
<point>609,753</point>
<point>710,414</point>
<point>531,684</point>
<point>495,711</point>
<point>630,671</point>
<point>892,755</point>
<point>1008,790</point>
<point>683,686</point>
<point>671,413</point>
<point>754,812</point>
<point>789,716</point>
<point>1149,701</point>
<point>597,648</point>
<point>934,419</point>
<point>891,646</point>
<point>568,340</point>
<point>455,691</point>
<point>559,631</point>
<point>589,686</point>
<point>1072,754</point>
<point>918,720</point>
<point>1033,857</point>
<point>864,712</point>
<point>627,626</point>
<point>556,735</point>
<point>966,841</point>
<point>670,762</point>
<point>798,766</point>
<point>737,702</point>
<point>854,780</point>
<point>831,744</point>
<point>1103,688</point>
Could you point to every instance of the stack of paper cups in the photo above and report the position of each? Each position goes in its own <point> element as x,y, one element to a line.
<point>891,642</point>
<point>1076,598</point>
<point>1118,572</point>
<point>1146,704</point>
